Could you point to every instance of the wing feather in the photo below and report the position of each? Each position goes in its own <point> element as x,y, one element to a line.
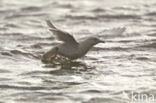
<point>61,35</point>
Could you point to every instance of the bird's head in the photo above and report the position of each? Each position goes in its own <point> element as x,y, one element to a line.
<point>94,40</point>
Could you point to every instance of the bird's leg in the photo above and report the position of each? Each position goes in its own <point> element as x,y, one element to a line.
<point>53,57</point>
<point>50,55</point>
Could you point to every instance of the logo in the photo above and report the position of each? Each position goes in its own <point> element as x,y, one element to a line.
<point>138,97</point>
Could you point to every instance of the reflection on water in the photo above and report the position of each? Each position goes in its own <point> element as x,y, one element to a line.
<point>125,63</point>
<point>68,67</point>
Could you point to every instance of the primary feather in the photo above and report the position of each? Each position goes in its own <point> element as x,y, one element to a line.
<point>61,35</point>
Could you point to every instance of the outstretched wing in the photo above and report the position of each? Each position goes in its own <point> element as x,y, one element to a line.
<point>61,35</point>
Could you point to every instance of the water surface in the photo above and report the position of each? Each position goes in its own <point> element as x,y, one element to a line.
<point>127,63</point>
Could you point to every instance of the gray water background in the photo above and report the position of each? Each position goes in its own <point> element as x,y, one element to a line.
<point>127,64</point>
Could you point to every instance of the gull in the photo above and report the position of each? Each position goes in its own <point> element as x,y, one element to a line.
<point>70,48</point>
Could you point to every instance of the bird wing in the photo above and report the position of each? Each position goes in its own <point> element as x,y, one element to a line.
<point>61,35</point>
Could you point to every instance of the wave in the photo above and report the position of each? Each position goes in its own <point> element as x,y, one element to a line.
<point>28,87</point>
<point>104,16</point>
